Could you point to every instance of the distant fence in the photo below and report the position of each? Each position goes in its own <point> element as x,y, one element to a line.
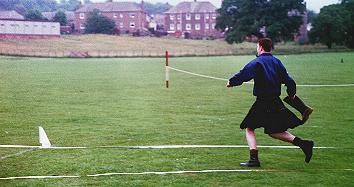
<point>121,53</point>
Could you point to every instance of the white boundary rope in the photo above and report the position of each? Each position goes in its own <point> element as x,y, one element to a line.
<point>222,79</point>
<point>176,172</point>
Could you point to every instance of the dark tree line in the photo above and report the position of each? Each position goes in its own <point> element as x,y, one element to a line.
<point>334,25</point>
<point>276,19</point>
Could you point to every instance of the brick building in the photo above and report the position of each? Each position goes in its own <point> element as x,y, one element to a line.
<point>128,16</point>
<point>196,19</point>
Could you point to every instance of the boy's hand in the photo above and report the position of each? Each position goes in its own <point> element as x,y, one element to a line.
<point>228,84</point>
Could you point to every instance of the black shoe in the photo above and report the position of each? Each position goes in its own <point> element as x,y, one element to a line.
<point>307,148</point>
<point>251,163</point>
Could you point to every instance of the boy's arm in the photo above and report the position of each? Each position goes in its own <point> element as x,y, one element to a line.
<point>246,74</point>
<point>288,81</point>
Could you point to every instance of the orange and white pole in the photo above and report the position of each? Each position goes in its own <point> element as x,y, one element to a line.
<point>167,70</point>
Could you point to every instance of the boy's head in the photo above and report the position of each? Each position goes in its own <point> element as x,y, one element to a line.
<point>264,45</point>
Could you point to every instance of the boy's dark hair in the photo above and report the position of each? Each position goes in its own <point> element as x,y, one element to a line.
<point>266,44</point>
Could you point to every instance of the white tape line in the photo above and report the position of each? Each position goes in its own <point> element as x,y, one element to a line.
<point>18,153</point>
<point>19,146</point>
<point>39,177</point>
<point>214,171</point>
<point>163,147</point>
<point>205,146</point>
<point>173,172</point>
<point>196,74</point>
<point>299,85</point>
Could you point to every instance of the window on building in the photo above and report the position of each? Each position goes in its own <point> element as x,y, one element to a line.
<point>115,15</point>
<point>82,15</point>
<point>213,16</point>
<point>213,26</point>
<point>132,15</point>
<point>179,17</point>
<point>206,16</point>
<point>121,25</point>
<point>207,26</point>
<point>179,27</point>
<point>121,15</point>
<point>197,16</point>
<point>82,26</point>
<point>188,16</point>
<point>172,17</point>
<point>132,24</point>
<point>172,27</point>
<point>188,27</point>
<point>197,26</point>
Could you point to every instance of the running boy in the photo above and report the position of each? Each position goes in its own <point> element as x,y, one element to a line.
<point>269,111</point>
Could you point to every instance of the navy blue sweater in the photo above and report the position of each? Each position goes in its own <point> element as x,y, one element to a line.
<point>268,73</point>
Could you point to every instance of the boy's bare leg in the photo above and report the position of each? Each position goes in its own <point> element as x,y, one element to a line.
<point>251,140</point>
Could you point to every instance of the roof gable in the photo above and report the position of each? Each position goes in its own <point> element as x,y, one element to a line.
<point>11,15</point>
<point>193,7</point>
<point>111,7</point>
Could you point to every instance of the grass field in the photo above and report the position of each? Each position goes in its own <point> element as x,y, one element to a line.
<point>111,102</point>
<point>107,45</point>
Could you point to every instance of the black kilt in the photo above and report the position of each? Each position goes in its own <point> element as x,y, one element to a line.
<point>272,115</point>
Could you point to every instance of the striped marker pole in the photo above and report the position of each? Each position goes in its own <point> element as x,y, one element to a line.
<point>167,70</point>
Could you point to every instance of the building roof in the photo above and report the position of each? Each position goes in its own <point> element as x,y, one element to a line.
<point>70,16</point>
<point>111,7</point>
<point>11,15</point>
<point>193,7</point>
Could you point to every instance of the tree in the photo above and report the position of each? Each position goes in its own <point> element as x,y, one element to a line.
<point>97,23</point>
<point>311,16</point>
<point>34,15</point>
<point>349,7</point>
<point>331,26</point>
<point>61,18</point>
<point>277,19</point>
<point>69,5</point>
<point>22,6</point>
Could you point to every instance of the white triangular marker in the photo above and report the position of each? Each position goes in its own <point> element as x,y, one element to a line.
<point>43,138</point>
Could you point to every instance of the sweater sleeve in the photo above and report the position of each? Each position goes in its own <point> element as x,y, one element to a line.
<point>246,74</point>
<point>287,80</point>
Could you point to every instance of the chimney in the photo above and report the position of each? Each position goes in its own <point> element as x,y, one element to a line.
<point>142,4</point>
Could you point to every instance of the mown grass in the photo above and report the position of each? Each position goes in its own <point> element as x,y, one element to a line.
<point>98,102</point>
<point>108,45</point>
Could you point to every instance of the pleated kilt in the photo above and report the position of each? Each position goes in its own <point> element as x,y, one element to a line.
<point>271,114</point>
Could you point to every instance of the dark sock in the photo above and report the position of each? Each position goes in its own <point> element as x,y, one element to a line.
<point>253,154</point>
<point>306,146</point>
<point>298,141</point>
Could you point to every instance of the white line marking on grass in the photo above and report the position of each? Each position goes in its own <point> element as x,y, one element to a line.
<point>19,153</point>
<point>205,146</point>
<point>39,177</point>
<point>174,172</point>
<point>163,147</point>
<point>299,85</point>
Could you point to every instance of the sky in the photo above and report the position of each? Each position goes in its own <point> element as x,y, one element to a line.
<point>315,5</point>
